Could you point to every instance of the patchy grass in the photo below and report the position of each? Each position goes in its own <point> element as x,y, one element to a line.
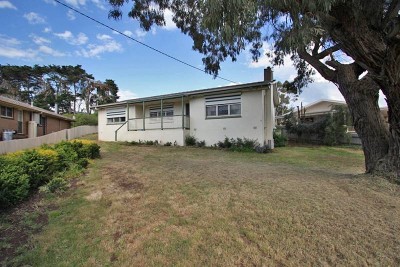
<point>157,206</point>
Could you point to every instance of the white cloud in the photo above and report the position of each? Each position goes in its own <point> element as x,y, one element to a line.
<point>99,4</point>
<point>47,30</point>
<point>71,15</point>
<point>80,39</point>
<point>103,37</point>
<point>108,45</point>
<point>7,4</point>
<point>169,23</point>
<point>76,3</point>
<point>9,49</point>
<point>128,33</point>
<point>39,40</point>
<point>50,51</point>
<point>140,34</point>
<point>125,95</point>
<point>51,2</point>
<point>34,18</point>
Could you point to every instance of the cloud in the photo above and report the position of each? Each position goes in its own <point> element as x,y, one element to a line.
<point>76,3</point>
<point>80,39</point>
<point>103,37</point>
<point>50,51</point>
<point>169,23</point>
<point>128,33</point>
<point>7,4</point>
<point>9,49</point>
<point>34,18</point>
<point>108,45</point>
<point>140,34</point>
<point>71,15</point>
<point>125,95</point>
<point>47,30</point>
<point>39,40</point>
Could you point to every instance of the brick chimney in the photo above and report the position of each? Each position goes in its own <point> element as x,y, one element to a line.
<point>268,75</point>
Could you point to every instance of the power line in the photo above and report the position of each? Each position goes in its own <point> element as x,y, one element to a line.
<point>139,42</point>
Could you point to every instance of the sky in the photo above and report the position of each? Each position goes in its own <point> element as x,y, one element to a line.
<point>44,32</point>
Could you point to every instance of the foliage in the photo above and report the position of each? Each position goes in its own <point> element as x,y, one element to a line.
<point>67,87</point>
<point>168,144</point>
<point>24,171</point>
<point>83,119</point>
<point>190,140</point>
<point>57,184</point>
<point>201,143</point>
<point>330,129</point>
<point>279,139</point>
<point>238,144</point>
<point>14,184</point>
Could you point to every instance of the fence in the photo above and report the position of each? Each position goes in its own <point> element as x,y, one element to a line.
<point>67,134</point>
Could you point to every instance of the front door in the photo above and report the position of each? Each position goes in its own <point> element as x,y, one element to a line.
<point>20,118</point>
<point>43,122</point>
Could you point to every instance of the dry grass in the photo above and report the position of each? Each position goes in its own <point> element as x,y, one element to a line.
<point>158,206</point>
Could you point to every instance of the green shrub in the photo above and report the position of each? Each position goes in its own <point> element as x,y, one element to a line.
<point>190,140</point>
<point>84,119</point>
<point>14,184</point>
<point>279,140</point>
<point>238,144</point>
<point>201,143</point>
<point>168,144</point>
<point>57,184</point>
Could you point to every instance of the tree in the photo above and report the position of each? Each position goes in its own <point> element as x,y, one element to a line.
<point>365,30</point>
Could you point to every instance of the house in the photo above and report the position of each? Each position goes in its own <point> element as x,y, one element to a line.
<point>29,121</point>
<point>316,110</point>
<point>245,110</point>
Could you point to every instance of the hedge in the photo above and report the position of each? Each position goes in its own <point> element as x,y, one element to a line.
<point>22,172</point>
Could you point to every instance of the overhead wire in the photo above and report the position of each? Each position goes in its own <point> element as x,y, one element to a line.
<point>139,42</point>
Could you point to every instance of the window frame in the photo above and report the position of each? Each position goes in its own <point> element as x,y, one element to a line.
<point>6,109</point>
<point>229,115</point>
<point>116,120</point>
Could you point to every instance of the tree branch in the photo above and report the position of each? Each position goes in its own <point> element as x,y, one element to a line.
<point>326,72</point>
<point>327,51</point>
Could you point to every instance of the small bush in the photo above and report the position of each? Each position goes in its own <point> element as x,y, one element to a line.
<point>237,144</point>
<point>190,140</point>
<point>149,143</point>
<point>279,140</point>
<point>263,149</point>
<point>201,143</point>
<point>168,144</point>
<point>58,184</point>
<point>14,184</point>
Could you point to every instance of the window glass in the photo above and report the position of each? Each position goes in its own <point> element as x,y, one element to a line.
<point>235,109</point>
<point>153,114</point>
<point>222,110</point>
<point>211,111</point>
<point>6,112</point>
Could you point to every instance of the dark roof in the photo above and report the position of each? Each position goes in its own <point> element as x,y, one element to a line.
<point>25,106</point>
<point>246,86</point>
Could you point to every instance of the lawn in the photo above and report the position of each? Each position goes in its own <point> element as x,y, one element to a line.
<point>174,206</point>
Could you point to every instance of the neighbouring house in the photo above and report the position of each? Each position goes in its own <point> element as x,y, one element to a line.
<point>317,110</point>
<point>27,121</point>
<point>245,110</point>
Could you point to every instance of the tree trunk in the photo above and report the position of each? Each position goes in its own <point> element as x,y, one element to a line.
<point>362,99</point>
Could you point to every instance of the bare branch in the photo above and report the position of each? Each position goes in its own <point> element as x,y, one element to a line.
<point>326,72</point>
<point>328,51</point>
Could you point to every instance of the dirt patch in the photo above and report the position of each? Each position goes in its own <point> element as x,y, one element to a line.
<point>95,196</point>
<point>19,223</point>
<point>130,185</point>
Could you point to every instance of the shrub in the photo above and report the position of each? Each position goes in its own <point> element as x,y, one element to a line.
<point>190,140</point>
<point>87,149</point>
<point>279,140</point>
<point>57,184</point>
<point>238,144</point>
<point>201,143</point>
<point>263,149</point>
<point>168,144</point>
<point>14,184</point>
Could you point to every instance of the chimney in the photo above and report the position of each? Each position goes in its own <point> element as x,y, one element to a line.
<point>268,75</point>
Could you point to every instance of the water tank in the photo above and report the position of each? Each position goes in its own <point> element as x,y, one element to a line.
<point>8,135</point>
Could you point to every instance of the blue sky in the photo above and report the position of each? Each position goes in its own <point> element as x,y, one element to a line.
<point>44,32</point>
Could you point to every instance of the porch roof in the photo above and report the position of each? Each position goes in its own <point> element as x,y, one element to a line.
<point>231,88</point>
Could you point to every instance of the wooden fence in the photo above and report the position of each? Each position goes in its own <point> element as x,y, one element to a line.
<point>56,137</point>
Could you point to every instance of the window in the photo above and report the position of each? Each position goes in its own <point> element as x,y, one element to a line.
<point>223,106</point>
<point>6,112</point>
<point>116,116</point>
<point>155,112</point>
<point>20,129</point>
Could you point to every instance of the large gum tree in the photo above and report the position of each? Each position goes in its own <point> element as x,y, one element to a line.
<point>314,32</point>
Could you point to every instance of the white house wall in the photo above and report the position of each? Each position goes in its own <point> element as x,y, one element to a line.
<point>250,124</point>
